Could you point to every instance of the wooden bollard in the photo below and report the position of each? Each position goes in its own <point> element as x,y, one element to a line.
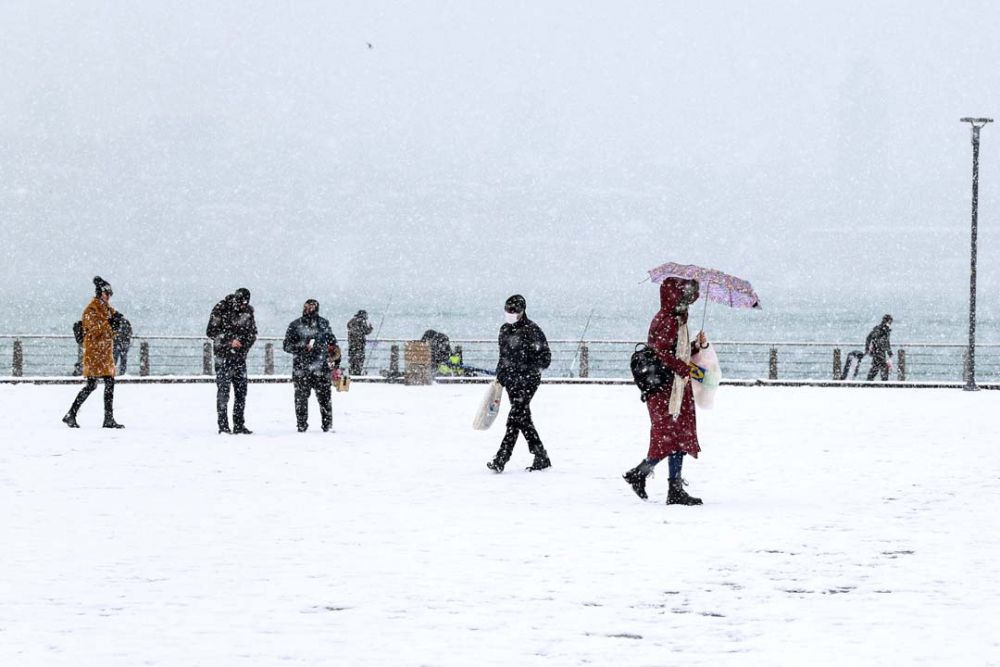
<point>394,361</point>
<point>17,363</point>
<point>901,371</point>
<point>144,358</point>
<point>206,359</point>
<point>772,365</point>
<point>836,363</point>
<point>269,359</point>
<point>584,360</point>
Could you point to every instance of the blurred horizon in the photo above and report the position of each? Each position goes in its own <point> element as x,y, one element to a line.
<point>449,154</point>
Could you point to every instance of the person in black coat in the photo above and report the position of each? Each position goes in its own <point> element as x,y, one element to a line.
<point>524,353</point>
<point>123,340</point>
<point>233,331</point>
<point>312,342</point>
<point>877,346</point>
<point>358,330</point>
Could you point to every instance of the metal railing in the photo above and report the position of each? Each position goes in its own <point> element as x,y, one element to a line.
<point>33,355</point>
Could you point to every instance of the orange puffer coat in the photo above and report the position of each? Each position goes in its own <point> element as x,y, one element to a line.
<point>98,340</point>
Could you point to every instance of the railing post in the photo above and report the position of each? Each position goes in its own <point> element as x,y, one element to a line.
<point>584,360</point>
<point>206,358</point>
<point>902,365</point>
<point>144,358</point>
<point>772,366</point>
<point>836,363</point>
<point>394,361</point>
<point>269,359</point>
<point>17,363</point>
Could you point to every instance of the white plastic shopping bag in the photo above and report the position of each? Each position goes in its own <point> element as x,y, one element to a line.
<point>489,408</point>
<point>705,388</point>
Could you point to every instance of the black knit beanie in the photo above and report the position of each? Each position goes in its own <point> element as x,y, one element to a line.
<point>515,304</point>
<point>102,286</point>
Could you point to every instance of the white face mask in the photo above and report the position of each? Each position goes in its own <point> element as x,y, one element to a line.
<point>510,317</point>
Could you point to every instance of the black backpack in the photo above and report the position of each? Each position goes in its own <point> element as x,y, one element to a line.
<point>78,332</point>
<point>648,372</point>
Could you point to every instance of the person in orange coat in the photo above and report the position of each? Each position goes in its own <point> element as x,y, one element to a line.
<point>673,427</point>
<point>98,354</point>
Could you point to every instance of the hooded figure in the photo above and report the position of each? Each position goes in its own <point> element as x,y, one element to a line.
<point>524,354</point>
<point>673,427</point>
<point>358,330</point>
<point>233,331</point>
<point>98,353</point>
<point>312,343</point>
<point>877,346</point>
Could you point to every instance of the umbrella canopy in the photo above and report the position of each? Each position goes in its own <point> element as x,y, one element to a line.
<point>715,285</point>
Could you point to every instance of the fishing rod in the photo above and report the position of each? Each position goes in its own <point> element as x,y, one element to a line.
<point>580,345</point>
<point>378,332</point>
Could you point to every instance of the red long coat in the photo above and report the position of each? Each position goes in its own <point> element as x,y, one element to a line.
<point>667,434</point>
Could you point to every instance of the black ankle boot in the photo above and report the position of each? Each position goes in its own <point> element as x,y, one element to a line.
<point>495,465</point>
<point>678,496</point>
<point>540,463</point>
<point>637,481</point>
<point>70,420</point>
<point>109,422</point>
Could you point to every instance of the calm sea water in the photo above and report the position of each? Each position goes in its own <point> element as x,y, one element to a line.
<point>606,317</point>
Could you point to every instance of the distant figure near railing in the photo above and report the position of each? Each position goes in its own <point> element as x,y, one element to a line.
<point>55,355</point>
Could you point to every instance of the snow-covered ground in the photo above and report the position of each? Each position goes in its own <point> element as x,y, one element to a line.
<point>840,527</point>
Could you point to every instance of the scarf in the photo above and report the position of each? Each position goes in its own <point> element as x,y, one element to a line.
<point>684,354</point>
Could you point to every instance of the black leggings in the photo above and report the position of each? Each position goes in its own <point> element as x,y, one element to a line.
<point>88,389</point>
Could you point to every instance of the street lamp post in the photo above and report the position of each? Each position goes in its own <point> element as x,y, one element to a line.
<point>970,378</point>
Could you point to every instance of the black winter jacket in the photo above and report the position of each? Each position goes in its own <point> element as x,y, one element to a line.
<point>877,343</point>
<point>317,360</point>
<point>524,353</point>
<point>358,330</point>
<point>232,320</point>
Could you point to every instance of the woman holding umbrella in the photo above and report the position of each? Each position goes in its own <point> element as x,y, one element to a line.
<point>673,429</point>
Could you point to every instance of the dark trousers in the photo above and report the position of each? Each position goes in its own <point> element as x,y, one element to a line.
<point>235,375</point>
<point>879,366</point>
<point>356,360</point>
<point>88,389</point>
<point>120,353</point>
<point>519,421</point>
<point>304,385</point>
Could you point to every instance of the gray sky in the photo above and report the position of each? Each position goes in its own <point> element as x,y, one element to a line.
<point>482,148</point>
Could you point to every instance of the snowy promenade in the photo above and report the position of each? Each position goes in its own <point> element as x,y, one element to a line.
<point>846,527</point>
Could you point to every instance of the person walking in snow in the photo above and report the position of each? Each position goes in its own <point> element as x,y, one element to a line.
<point>673,427</point>
<point>312,343</point>
<point>233,331</point>
<point>877,346</point>
<point>98,355</point>
<point>358,330</point>
<point>524,354</point>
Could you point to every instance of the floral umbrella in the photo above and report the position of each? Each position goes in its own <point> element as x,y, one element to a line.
<point>714,285</point>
